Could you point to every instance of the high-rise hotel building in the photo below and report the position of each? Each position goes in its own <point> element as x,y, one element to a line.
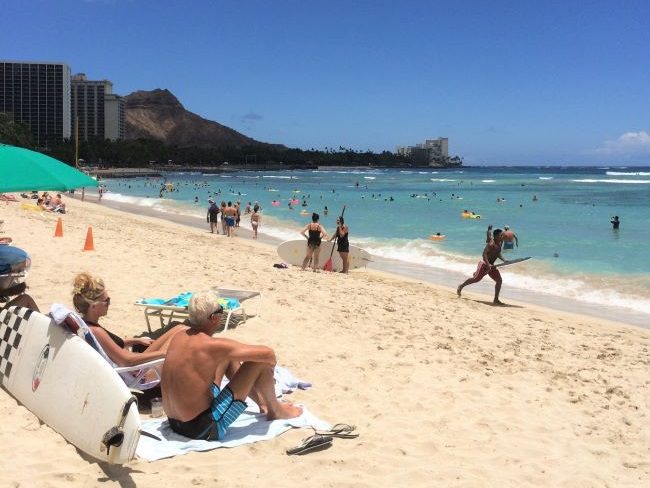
<point>37,94</point>
<point>96,110</point>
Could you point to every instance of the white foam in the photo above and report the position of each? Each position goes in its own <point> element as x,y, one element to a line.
<point>280,177</point>
<point>160,204</point>
<point>633,182</point>
<point>622,173</point>
<point>545,177</point>
<point>369,177</point>
<point>423,253</point>
<point>488,181</point>
<point>441,179</point>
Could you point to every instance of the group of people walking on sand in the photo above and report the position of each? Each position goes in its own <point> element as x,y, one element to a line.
<point>315,233</point>
<point>231,217</point>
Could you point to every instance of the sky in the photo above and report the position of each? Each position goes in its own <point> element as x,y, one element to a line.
<point>508,82</point>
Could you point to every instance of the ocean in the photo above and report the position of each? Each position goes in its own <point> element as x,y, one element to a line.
<point>561,216</point>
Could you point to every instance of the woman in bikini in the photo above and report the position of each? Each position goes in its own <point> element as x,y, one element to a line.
<point>91,300</point>
<point>256,220</point>
<point>316,234</point>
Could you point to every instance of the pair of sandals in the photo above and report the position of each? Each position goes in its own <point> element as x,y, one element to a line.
<point>323,439</point>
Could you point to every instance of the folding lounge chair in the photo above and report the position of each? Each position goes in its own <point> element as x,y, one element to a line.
<point>137,377</point>
<point>166,312</point>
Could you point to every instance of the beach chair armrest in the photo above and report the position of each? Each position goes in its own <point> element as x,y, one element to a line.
<point>155,363</point>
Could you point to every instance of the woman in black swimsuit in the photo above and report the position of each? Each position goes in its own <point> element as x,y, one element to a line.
<point>91,300</point>
<point>316,235</point>
<point>342,244</point>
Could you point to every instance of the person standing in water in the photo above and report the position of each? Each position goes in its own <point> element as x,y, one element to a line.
<point>316,234</point>
<point>615,222</point>
<point>342,243</point>
<point>510,239</point>
<point>486,266</point>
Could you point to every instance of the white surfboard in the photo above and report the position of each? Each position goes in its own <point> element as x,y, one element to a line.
<point>293,252</point>
<point>68,385</point>
<point>512,261</point>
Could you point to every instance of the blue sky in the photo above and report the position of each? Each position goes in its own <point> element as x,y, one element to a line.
<point>509,82</point>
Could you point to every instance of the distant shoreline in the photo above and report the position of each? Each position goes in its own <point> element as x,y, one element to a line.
<point>160,171</point>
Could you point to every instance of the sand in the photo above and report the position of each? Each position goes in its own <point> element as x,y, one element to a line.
<point>445,391</point>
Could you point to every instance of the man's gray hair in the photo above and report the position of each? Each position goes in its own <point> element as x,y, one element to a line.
<point>202,305</point>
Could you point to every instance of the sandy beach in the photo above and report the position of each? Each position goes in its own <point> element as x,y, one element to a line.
<point>445,391</point>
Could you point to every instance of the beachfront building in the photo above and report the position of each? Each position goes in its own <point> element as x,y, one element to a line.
<point>114,127</point>
<point>96,111</point>
<point>37,94</point>
<point>433,152</point>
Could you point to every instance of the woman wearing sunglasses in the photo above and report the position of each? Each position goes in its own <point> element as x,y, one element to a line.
<point>91,300</point>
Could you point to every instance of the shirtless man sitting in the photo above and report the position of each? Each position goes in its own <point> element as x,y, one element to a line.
<point>486,266</point>
<point>196,363</point>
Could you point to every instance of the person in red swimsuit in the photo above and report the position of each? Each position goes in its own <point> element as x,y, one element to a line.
<point>486,266</point>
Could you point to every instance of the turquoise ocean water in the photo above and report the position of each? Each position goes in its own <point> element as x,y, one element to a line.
<point>391,213</point>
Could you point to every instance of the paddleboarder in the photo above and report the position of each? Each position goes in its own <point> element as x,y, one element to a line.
<point>486,266</point>
<point>342,243</point>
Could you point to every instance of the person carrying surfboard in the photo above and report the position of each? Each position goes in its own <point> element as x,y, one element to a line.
<point>486,266</point>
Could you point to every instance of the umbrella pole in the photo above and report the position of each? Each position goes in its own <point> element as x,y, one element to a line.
<point>76,152</point>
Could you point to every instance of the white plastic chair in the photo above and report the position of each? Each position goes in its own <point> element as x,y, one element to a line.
<point>141,376</point>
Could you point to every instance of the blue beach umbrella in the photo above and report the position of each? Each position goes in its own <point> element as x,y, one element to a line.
<point>25,170</point>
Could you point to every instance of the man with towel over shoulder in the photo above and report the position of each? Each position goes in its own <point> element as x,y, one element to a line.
<point>195,365</point>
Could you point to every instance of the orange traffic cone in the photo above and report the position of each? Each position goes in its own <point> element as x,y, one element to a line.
<point>89,246</point>
<point>58,232</point>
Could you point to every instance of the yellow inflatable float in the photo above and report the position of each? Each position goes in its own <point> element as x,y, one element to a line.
<point>470,215</point>
<point>31,206</point>
<point>437,237</point>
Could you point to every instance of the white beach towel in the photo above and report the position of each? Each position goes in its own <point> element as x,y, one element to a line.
<point>286,382</point>
<point>250,427</point>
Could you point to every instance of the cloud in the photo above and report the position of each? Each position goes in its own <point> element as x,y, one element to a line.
<point>251,117</point>
<point>630,143</point>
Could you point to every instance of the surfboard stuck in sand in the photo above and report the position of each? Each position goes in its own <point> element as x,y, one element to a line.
<point>68,385</point>
<point>513,261</point>
<point>293,252</point>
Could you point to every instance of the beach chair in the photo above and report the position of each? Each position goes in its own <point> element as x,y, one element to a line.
<point>11,284</point>
<point>139,377</point>
<point>168,310</point>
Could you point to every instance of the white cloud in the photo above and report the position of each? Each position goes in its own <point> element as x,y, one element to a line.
<point>630,143</point>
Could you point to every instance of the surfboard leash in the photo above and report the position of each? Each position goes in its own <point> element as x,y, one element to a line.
<point>115,435</point>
